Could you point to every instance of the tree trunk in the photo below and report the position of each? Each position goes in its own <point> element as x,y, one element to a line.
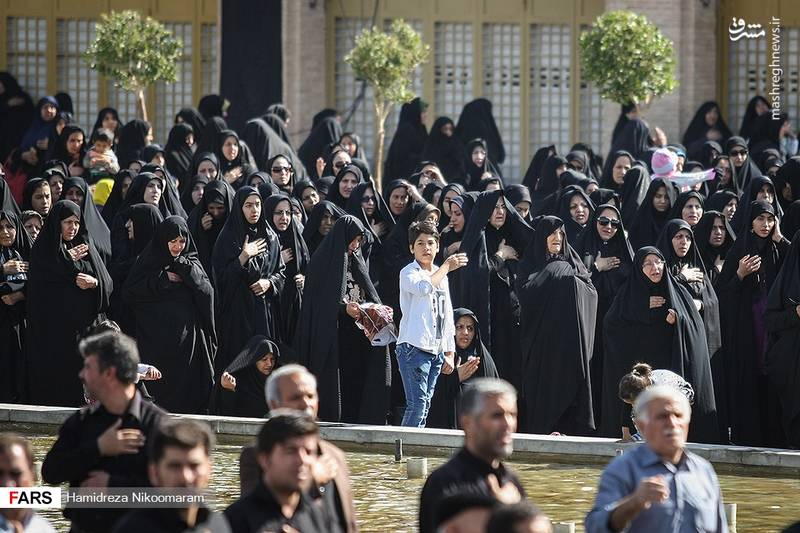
<point>142,106</point>
<point>381,112</point>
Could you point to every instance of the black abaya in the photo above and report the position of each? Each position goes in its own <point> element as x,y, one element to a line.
<point>311,234</point>
<point>405,151</point>
<point>91,217</point>
<point>648,221</point>
<point>324,133</point>
<point>248,398</point>
<point>446,152</point>
<point>217,191</point>
<point>477,121</point>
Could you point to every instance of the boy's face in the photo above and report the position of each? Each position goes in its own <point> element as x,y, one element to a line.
<point>102,146</point>
<point>425,248</point>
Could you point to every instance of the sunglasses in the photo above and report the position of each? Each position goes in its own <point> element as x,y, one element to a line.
<point>339,164</point>
<point>367,199</point>
<point>605,221</point>
<point>736,153</point>
<point>278,170</point>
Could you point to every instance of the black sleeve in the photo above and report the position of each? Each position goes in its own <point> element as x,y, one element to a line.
<point>70,459</point>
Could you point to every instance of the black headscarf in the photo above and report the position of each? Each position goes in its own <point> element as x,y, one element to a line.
<point>207,141</point>
<point>536,166</point>
<point>186,197</point>
<point>788,174</point>
<point>265,143</point>
<point>446,152</point>
<point>325,132</point>
<point>250,382</point>
<point>239,161</point>
<point>7,202</point>
<point>709,152</point>
<point>198,158</point>
<point>132,141</point>
<point>714,185</point>
<point>474,172</point>
<point>720,199</point>
<point>211,106</point>
<point>607,178</point>
<point>115,198</point>
<point>702,232</point>
<point>39,129</point>
<point>696,133</point>
<point>193,118</point>
<point>477,121</point>
<point>177,153</point>
<point>682,200</point>
<point>278,125</point>
<point>334,195</point>
<point>545,193</point>
<point>311,234</point>
<point>517,193</point>
<point>572,228</point>
<point>749,169</point>
<point>217,191</point>
<point>748,126</point>
<point>91,217</point>
<point>405,151</point>
<point>741,219</point>
<point>635,332</point>
<point>633,138</point>
<point>170,194</point>
<point>556,291</point>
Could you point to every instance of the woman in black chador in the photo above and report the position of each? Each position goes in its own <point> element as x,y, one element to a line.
<point>68,291</point>
<point>173,304</point>
<point>750,269</point>
<point>208,218</point>
<point>248,278</point>
<point>494,239</point>
<point>714,238</point>
<point>278,211</point>
<point>606,253</point>
<point>653,319</point>
<point>245,377</point>
<point>473,361</point>
<point>405,150</point>
<point>652,215</point>
<point>556,292</point>
<point>319,224</point>
<point>782,320</point>
<point>77,190</point>
<point>15,252</point>
<point>444,148</point>
<point>353,376</point>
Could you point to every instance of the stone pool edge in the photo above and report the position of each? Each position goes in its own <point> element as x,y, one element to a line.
<point>587,448</point>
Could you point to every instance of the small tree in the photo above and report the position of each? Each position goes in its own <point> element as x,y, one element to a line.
<point>134,52</point>
<point>386,61</point>
<point>628,59</point>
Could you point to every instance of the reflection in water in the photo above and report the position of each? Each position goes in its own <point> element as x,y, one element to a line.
<point>386,501</point>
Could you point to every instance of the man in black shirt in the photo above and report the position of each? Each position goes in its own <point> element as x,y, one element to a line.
<point>489,417</point>
<point>180,457</point>
<point>287,450</point>
<point>102,445</point>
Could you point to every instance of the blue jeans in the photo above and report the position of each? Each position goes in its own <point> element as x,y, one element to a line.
<point>419,371</point>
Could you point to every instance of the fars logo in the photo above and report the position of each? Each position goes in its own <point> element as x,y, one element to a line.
<point>30,497</point>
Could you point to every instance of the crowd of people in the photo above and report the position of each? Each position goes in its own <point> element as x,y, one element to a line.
<point>227,255</point>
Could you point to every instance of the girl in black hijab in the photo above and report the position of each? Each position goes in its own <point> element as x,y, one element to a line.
<point>449,192</point>
<point>477,121</point>
<point>133,137</point>
<point>782,320</point>
<point>478,163</point>
<point>248,278</point>
<point>194,193</point>
<point>688,207</point>
<point>725,179</point>
<point>520,198</point>
<point>122,184</point>
<point>756,107</point>
<point>405,152</point>
<point>544,197</point>
<point>606,253</point>
<point>192,117</point>
<point>78,191</point>
<point>714,238</point>
<point>616,166</point>
<point>745,169</point>
<point>295,256</point>
<point>70,147</point>
<point>107,118</point>
<point>750,269</point>
<point>247,375</point>
<point>555,291</point>
<point>460,209</point>
<point>172,199</point>
<point>494,239</point>
<point>759,188</point>
<point>473,361</point>
<point>725,201</point>
<point>343,186</point>
<point>233,167</point>
<point>353,376</point>
<point>36,197</point>
<point>178,151</point>
<point>208,217</point>
<point>205,163</point>
<point>653,319</point>
<point>706,125</point>
<point>444,148</point>
<point>307,194</point>
<point>319,224</point>
<point>173,303</point>
<point>68,290</point>
<point>574,209</point>
<point>282,172</point>
<point>15,251</point>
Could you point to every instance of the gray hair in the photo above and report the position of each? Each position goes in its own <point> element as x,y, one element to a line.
<point>271,386</point>
<point>659,392</point>
<point>475,393</point>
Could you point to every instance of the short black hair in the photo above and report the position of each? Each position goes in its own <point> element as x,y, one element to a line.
<point>113,349</point>
<point>506,517</point>
<point>284,424</point>
<point>423,227</point>
<point>184,434</point>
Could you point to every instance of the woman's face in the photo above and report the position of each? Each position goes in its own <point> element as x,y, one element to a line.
<point>607,224</point>
<point>281,172</point>
<point>8,233</point>
<point>766,193</point>
<point>347,184</point>
<point>761,107</point>
<point>653,267</point>
<point>355,244</point>
<point>763,225</point>
<point>349,144</point>
<point>176,245</point>
<point>712,116</point>
<point>33,226</point>
<point>208,169</point>
<point>197,192</point>
<point>579,209</point>
<point>74,143</point>
<point>692,211</point>
<point>126,184</point>
<point>555,241</point>
<point>621,166</point>
<point>326,223</point>
<point>56,182</point>
<point>230,148</point>
<point>739,155</point>
<point>340,160</point>
<point>216,210</point>
<point>368,202</point>
<point>498,216</point>
<point>189,140</point>
<point>465,332</point>
<point>725,165</point>
<point>266,364</point>
<point>730,208</point>
<point>41,201</point>
<point>576,164</point>
<point>48,112</point>
<point>282,216</point>
<point>523,208</point>
<point>661,200</point>
<point>252,208</point>
<point>448,130</point>
<point>398,200</point>
<point>681,243</point>
<point>109,122</point>
<point>255,180</point>
<point>70,227</point>
<point>456,218</point>
<point>75,194</point>
<point>478,156</point>
<point>718,233</point>
<point>448,197</point>
<point>135,167</point>
<point>152,192</point>
<point>158,159</point>
<point>309,198</point>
